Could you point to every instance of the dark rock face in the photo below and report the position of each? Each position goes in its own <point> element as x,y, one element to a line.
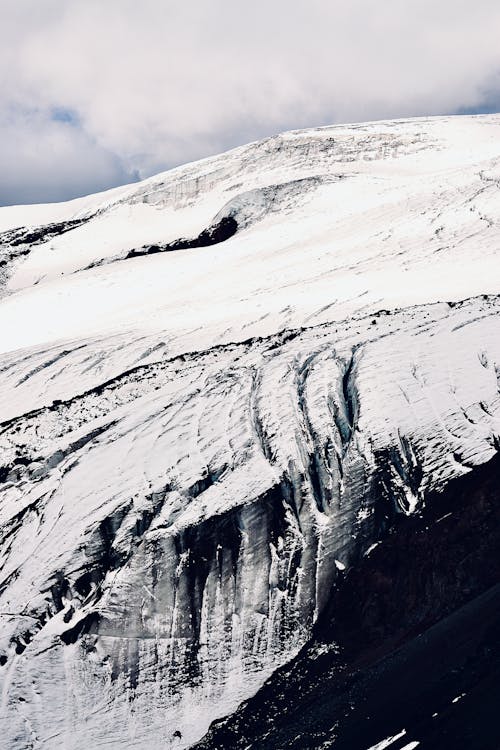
<point>36,235</point>
<point>410,642</point>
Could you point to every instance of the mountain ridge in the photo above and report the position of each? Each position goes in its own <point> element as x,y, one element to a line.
<point>198,442</point>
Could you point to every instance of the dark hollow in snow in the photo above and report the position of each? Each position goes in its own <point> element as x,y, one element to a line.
<point>226,228</point>
<point>417,625</point>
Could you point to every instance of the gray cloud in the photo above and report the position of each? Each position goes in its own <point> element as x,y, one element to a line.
<point>46,156</point>
<point>93,93</point>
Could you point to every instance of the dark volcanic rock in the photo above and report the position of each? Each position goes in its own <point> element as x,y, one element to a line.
<point>410,642</point>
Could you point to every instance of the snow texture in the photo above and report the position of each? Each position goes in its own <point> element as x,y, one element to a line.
<point>217,387</point>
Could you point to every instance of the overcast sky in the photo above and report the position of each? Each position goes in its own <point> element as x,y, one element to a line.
<point>94,93</point>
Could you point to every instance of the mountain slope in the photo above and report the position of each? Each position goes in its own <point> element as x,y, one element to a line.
<point>220,388</point>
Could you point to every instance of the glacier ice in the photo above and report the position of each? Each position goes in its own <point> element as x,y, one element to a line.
<point>195,444</point>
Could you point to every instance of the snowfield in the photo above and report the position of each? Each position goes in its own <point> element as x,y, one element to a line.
<point>217,388</point>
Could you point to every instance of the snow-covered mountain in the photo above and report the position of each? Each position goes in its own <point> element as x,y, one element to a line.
<point>219,390</point>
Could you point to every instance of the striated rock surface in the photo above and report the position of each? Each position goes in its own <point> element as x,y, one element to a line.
<point>219,389</point>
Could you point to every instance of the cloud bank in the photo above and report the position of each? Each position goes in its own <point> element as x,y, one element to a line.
<point>94,94</point>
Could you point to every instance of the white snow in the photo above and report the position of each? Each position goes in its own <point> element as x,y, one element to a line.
<point>409,221</point>
<point>388,741</point>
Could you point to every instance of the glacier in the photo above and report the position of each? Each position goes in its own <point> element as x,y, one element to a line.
<point>220,388</point>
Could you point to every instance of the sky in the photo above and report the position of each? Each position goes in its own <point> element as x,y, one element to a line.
<point>97,93</point>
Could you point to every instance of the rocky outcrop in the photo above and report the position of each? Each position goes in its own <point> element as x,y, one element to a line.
<point>408,648</point>
<point>17,243</point>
